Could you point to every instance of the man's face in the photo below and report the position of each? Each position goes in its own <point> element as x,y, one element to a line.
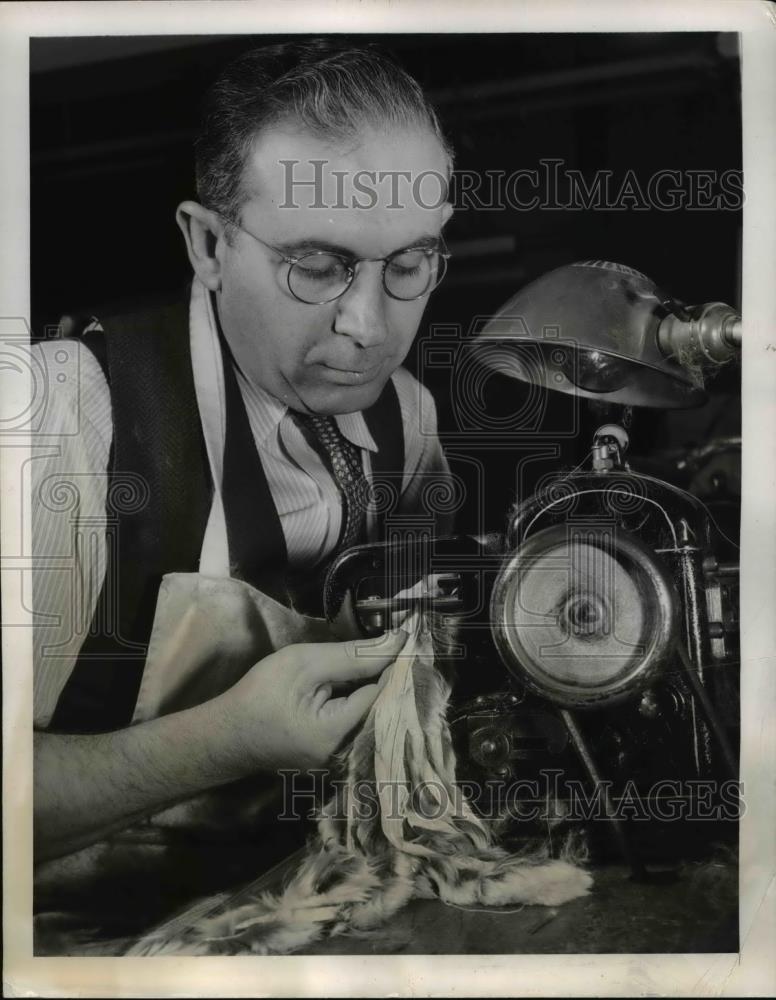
<point>336,357</point>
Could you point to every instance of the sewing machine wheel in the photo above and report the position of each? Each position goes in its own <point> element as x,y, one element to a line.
<point>584,614</point>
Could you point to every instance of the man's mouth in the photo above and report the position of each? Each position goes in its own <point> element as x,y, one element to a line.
<point>351,376</point>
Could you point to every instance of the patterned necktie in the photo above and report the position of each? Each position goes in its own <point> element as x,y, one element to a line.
<point>346,467</point>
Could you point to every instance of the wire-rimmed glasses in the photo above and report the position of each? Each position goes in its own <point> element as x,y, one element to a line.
<point>321,276</point>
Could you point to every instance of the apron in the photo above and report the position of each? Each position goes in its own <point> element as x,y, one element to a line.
<point>209,629</point>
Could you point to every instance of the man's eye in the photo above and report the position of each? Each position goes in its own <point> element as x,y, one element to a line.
<point>318,273</point>
<point>402,271</point>
<point>321,268</point>
<point>410,264</point>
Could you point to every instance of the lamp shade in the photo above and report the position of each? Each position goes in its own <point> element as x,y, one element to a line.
<point>590,329</point>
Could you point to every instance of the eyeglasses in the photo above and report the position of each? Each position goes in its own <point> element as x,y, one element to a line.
<point>321,276</point>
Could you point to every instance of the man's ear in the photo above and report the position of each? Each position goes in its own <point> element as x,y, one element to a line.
<point>201,230</point>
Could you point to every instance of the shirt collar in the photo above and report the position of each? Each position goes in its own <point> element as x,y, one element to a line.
<point>265,413</point>
<point>354,428</point>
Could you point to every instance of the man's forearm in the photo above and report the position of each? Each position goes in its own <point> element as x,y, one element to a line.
<point>86,787</point>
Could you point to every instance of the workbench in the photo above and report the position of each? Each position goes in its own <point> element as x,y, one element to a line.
<point>694,910</point>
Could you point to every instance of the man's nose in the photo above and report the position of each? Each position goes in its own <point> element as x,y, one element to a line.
<point>361,310</point>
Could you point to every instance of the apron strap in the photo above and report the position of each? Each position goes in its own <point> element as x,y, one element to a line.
<point>257,545</point>
<point>384,422</point>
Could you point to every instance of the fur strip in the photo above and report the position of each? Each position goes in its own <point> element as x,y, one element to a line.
<point>366,864</point>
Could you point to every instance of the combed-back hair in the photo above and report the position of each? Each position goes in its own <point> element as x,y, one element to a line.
<point>331,89</point>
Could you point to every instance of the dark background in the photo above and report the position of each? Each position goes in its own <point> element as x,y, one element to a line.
<point>112,124</point>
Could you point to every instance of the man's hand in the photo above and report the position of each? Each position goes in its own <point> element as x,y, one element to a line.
<point>295,707</point>
<point>292,709</point>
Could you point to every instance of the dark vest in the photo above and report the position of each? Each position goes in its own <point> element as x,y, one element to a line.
<point>158,502</point>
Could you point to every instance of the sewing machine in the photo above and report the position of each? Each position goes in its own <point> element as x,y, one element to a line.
<point>594,643</point>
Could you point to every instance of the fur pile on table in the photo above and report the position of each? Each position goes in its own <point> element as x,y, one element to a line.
<point>367,862</point>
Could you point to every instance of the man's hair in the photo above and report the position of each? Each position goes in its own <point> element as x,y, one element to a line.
<point>330,89</point>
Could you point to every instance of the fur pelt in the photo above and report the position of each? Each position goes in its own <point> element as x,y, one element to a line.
<point>401,829</point>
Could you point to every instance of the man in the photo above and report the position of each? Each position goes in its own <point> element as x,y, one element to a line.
<point>305,300</point>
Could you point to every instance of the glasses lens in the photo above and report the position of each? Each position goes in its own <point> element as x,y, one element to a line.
<point>319,277</point>
<point>413,273</point>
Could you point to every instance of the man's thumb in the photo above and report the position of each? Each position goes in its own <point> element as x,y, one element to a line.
<point>357,658</point>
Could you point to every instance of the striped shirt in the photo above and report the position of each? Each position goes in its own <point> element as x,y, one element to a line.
<point>69,479</point>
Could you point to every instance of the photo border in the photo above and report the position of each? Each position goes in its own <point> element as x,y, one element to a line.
<point>752,972</point>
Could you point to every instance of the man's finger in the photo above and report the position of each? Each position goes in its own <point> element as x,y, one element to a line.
<point>347,713</point>
<point>355,659</point>
<point>322,697</point>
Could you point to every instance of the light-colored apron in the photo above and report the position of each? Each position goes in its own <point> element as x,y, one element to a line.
<point>208,630</point>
